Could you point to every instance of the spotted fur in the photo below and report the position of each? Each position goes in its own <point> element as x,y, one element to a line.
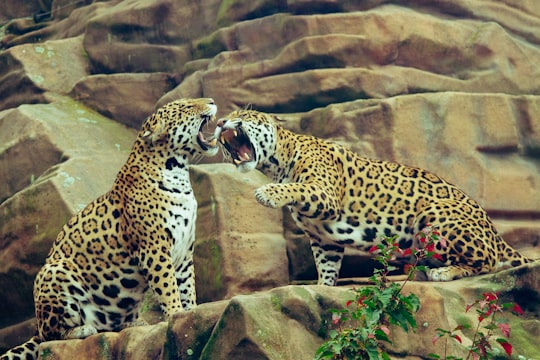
<point>340,199</point>
<point>139,234</point>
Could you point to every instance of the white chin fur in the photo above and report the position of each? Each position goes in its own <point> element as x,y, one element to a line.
<point>212,151</point>
<point>246,166</point>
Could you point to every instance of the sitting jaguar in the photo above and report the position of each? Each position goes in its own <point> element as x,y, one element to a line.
<point>340,199</point>
<point>140,234</point>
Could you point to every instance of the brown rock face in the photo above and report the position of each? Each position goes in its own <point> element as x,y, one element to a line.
<point>240,247</point>
<point>291,322</point>
<point>450,86</point>
<point>56,158</point>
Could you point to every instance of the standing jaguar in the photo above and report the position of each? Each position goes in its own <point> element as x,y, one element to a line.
<point>340,199</point>
<point>140,234</point>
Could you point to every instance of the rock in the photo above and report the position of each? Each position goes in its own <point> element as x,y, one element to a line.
<point>51,151</point>
<point>450,86</point>
<point>34,69</point>
<point>303,62</point>
<point>293,321</point>
<point>13,9</point>
<point>114,96</point>
<point>146,36</point>
<point>240,246</point>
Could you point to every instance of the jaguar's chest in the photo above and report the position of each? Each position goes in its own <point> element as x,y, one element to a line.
<point>181,225</point>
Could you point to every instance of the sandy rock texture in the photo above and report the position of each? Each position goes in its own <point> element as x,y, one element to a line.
<point>452,86</point>
<point>290,323</point>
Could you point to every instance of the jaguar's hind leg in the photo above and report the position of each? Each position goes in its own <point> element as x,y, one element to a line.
<point>58,295</point>
<point>470,239</point>
<point>328,259</point>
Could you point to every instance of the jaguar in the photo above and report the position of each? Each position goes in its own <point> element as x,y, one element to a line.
<point>341,199</point>
<point>138,235</point>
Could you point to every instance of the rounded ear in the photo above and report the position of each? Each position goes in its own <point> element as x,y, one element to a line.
<point>153,130</point>
<point>278,119</point>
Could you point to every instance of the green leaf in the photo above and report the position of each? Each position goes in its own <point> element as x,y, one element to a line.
<point>381,335</point>
<point>373,353</point>
<point>442,331</point>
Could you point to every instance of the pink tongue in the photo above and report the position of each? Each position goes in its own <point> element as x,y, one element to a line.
<point>244,149</point>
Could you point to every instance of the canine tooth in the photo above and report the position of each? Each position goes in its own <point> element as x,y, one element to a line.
<point>237,162</point>
<point>222,139</point>
<point>245,157</point>
<point>235,132</point>
<point>213,142</point>
<point>217,132</point>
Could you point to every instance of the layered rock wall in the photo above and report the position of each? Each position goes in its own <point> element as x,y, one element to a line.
<point>450,86</point>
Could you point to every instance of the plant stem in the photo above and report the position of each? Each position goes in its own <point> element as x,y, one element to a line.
<point>473,341</point>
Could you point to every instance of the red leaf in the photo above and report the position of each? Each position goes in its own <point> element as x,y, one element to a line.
<point>507,347</point>
<point>435,338</point>
<point>457,338</point>
<point>505,329</point>
<point>373,249</point>
<point>490,296</point>
<point>517,309</point>
<point>348,303</point>
<point>438,257</point>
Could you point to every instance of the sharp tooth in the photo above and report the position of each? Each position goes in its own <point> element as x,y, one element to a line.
<point>237,162</point>
<point>245,157</point>
<point>222,139</point>
<point>217,132</point>
<point>213,142</point>
<point>235,133</point>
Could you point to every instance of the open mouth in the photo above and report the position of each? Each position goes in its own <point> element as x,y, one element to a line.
<point>236,142</point>
<point>205,138</point>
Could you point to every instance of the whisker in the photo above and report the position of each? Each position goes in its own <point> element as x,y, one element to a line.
<point>197,158</point>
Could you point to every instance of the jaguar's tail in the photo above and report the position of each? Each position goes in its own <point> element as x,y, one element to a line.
<point>510,257</point>
<point>28,350</point>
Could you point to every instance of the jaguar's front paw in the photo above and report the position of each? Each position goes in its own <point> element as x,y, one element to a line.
<point>264,197</point>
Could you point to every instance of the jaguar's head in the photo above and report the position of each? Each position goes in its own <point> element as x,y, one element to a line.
<point>248,138</point>
<point>180,126</point>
